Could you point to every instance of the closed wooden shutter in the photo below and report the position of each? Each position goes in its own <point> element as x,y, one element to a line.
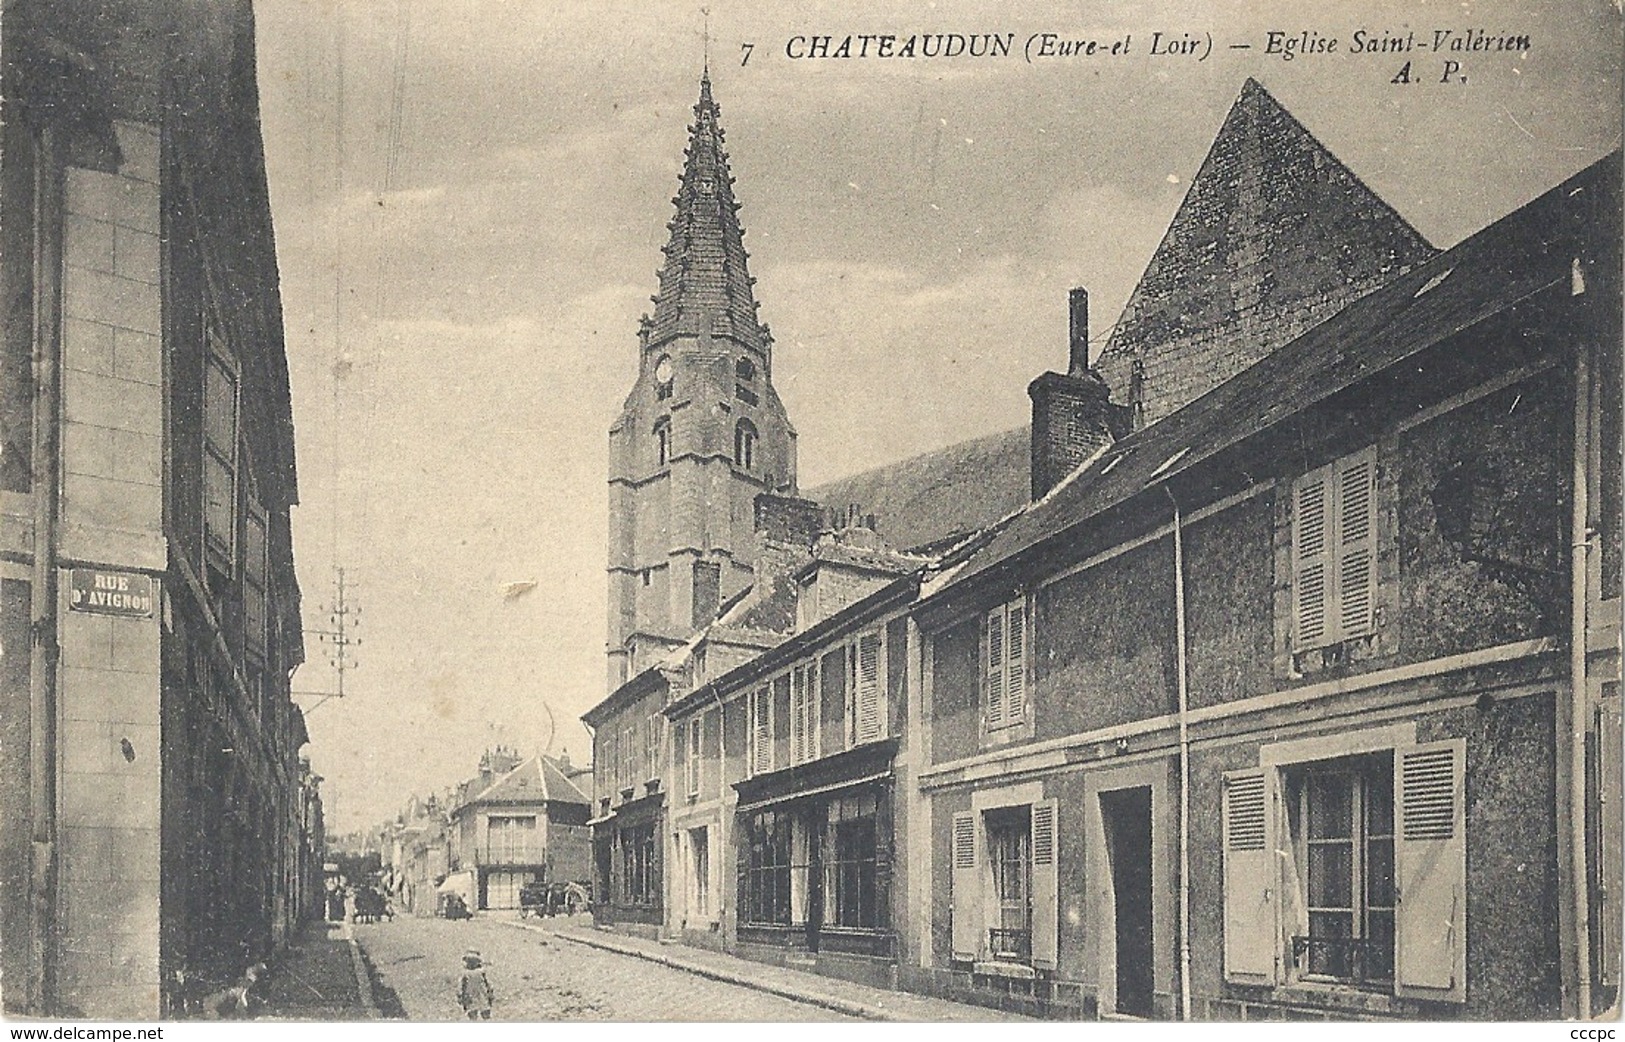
<point>1250,879</point>
<point>694,756</point>
<point>967,888</point>
<point>994,668</point>
<point>870,719</point>
<point>761,727</point>
<point>1311,579</point>
<point>1046,883</point>
<point>800,729</point>
<point>1356,545</point>
<point>1015,653</point>
<point>1430,871</point>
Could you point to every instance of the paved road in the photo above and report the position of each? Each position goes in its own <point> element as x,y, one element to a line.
<point>537,978</point>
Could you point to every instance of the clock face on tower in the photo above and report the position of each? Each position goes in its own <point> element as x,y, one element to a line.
<point>663,371</point>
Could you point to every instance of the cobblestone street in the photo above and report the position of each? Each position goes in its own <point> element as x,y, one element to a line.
<point>537,977</point>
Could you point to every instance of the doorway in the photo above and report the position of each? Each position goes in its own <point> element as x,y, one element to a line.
<point>1126,814</point>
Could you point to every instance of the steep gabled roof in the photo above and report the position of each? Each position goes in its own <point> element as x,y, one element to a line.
<point>704,273</point>
<point>1273,234</point>
<point>937,497</point>
<point>1525,253</point>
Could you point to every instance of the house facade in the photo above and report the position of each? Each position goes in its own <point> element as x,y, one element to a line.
<point>1287,689</point>
<point>517,821</point>
<point>159,821</point>
<point>784,808</point>
<point>1297,701</point>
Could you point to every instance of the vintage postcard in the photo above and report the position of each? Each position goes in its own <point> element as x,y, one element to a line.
<point>959,512</point>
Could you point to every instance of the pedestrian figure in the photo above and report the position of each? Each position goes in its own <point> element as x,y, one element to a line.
<point>474,993</point>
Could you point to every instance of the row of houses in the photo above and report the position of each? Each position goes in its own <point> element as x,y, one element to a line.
<point>162,824</point>
<point>517,820</point>
<point>1287,686</point>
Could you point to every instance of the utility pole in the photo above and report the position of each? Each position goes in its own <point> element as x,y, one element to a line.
<point>343,620</point>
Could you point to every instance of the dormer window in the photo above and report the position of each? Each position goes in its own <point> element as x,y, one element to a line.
<point>662,434</point>
<point>745,445</point>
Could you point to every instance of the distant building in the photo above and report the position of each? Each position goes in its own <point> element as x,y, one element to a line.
<point>158,817</point>
<point>517,821</point>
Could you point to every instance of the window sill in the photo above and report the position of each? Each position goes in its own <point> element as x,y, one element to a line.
<point>1016,970</point>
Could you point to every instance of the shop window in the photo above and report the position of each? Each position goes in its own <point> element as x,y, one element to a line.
<point>766,857</point>
<point>851,862</point>
<point>640,876</point>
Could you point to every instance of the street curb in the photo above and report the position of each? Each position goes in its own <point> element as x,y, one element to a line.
<point>807,998</point>
<point>363,982</point>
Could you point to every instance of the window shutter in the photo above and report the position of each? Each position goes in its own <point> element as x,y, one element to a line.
<point>994,668</point>
<point>1356,545</point>
<point>798,715</point>
<point>870,719</point>
<point>694,756</point>
<point>761,719</point>
<point>1310,581</point>
<point>1250,879</point>
<point>1015,653</point>
<point>1430,871</point>
<point>1045,883</point>
<point>967,889</point>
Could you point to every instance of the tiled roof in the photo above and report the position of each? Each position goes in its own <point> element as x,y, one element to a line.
<point>1528,251</point>
<point>704,272</point>
<point>935,498</point>
<point>535,780</point>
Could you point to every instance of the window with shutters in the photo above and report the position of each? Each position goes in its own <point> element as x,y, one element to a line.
<point>1009,846</point>
<point>866,708</point>
<point>804,713</point>
<point>220,419</point>
<point>1350,870</point>
<point>1334,554</point>
<point>1006,886</point>
<point>692,765</point>
<point>1005,638</point>
<point>760,760</point>
<point>255,618</point>
<point>1341,818</point>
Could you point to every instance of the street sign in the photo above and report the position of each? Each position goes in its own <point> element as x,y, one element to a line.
<point>103,592</point>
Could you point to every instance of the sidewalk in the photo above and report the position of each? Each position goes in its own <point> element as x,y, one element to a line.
<point>855,1000</point>
<point>320,977</point>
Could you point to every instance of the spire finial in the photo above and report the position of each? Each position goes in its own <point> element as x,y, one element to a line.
<point>705,46</point>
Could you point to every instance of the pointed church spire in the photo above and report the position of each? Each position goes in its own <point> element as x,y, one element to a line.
<point>705,288</point>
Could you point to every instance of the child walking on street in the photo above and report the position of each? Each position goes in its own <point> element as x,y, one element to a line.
<point>474,992</point>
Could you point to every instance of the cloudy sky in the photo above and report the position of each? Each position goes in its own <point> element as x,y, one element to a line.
<point>470,198</point>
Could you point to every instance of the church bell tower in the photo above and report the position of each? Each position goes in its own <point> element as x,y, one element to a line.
<point>702,433</point>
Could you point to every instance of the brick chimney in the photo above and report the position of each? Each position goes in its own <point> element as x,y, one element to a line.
<point>1071,411</point>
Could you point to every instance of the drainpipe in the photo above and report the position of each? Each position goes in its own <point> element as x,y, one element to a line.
<point>722,856</point>
<point>45,649</point>
<point>1580,544</point>
<point>1184,765</point>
